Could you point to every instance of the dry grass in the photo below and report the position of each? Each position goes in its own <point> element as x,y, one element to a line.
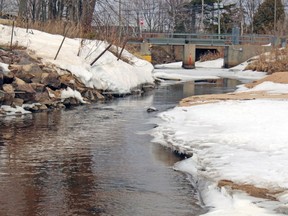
<point>211,56</point>
<point>250,189</point>
<point>275,61</point>
<point>72,30</point>
<point>52,27</point>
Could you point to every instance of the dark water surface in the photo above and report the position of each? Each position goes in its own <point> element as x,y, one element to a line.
<point>92,160</point>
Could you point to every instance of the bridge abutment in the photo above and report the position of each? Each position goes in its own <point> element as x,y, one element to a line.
<point>237,54</point>
<point>189,56</point>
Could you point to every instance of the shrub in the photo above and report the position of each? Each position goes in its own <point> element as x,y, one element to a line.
<point>211,56</point>
<point>275,61</point>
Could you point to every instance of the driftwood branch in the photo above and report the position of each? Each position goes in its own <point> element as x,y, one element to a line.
<point>11,42</point>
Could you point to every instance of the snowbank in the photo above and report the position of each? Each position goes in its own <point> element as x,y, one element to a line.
<point>205,70</point>
<point>76,56</point>
<point>243,141</point>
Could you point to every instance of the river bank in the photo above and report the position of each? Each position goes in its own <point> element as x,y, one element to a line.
<point>40,71</point>
<point>251,91</point>
<point>238,144</point>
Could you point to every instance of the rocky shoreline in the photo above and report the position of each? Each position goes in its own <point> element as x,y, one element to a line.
<point>28,83</point>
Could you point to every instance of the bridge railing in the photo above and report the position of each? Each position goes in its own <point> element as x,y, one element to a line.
<point>204,39</point>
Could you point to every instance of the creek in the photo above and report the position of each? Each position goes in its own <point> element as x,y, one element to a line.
<point>96,160</point>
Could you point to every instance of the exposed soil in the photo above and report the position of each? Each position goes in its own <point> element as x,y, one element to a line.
<point>280,77</point>
<point>252,190</point>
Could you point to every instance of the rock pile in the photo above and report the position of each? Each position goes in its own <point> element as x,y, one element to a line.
<point>28,81</point>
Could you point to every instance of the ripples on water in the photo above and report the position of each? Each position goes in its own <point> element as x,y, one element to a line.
<point>91,161</point>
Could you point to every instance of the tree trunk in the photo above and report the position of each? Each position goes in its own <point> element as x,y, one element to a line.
<point>87,14</point>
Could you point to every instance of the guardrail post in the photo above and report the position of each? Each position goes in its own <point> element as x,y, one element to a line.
<point>189,56</point>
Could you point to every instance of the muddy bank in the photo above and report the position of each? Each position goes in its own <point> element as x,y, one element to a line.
<point>280,77</point>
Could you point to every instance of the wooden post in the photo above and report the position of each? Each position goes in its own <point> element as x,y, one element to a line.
<point>12,33</point>
<point>102,53</point>
<point>61,44</point>
<point>27,24</point>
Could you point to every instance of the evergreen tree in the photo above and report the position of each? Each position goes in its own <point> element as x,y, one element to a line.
<point>188,13</point>
<point>264,19</point>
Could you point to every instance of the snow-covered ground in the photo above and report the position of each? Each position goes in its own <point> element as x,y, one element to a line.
<point>205,70</point>
<point>242,141</point>
<point>76,55</point>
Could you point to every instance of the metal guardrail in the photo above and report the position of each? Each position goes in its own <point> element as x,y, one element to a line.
<point>207,39</point>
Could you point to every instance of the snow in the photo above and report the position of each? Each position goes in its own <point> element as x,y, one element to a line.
<point>206,70</point>
<point>14,111</point>
<point>270,87</point>
<point>106,74</point>
<point>4,67</point>
<point>68,93</point>
<point>243,141</point>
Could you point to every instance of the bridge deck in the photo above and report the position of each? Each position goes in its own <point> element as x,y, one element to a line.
<point>205,39</point>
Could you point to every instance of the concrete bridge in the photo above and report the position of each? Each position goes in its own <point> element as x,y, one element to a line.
<point>188,47</point>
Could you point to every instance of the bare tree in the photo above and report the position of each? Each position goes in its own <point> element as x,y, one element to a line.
<point>87,14</point>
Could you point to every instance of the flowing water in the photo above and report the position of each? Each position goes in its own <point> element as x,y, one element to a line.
<point>94,160</point>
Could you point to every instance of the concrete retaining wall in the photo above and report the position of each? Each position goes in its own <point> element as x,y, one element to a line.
<point>235,55</point>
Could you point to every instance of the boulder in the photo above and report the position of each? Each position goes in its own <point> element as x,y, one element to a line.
<point>52,80</point>
<point>25,88</point>
<point>8,78</point>
<point>43,98</point>
<point>38,87</point>
<point>42,107</point>
<point>25,76</point>
<point>22,57</point>
<point>17,102</point>
<point>29,73</point>
<point>8,94</point>
<point>68,81</point>
<point>2,96</point>
<point>36,107</point>
<point>17,81</point>
<point>24,91</point>
<point>92,95</point>
<point>6,56</point>
<point>68,102</point>
<point>1,79</point>
<point>55,95</point>
<point>8,88</point>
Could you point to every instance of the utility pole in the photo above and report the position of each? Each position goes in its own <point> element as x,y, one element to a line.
<point>252,18</point>
<point>241,17</point>
<point>219,27</point>
<point>202,17</point>
<point>218,6</point>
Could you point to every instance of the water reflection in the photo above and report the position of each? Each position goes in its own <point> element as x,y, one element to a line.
<point>85,162</point>
<point>91,161</point>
